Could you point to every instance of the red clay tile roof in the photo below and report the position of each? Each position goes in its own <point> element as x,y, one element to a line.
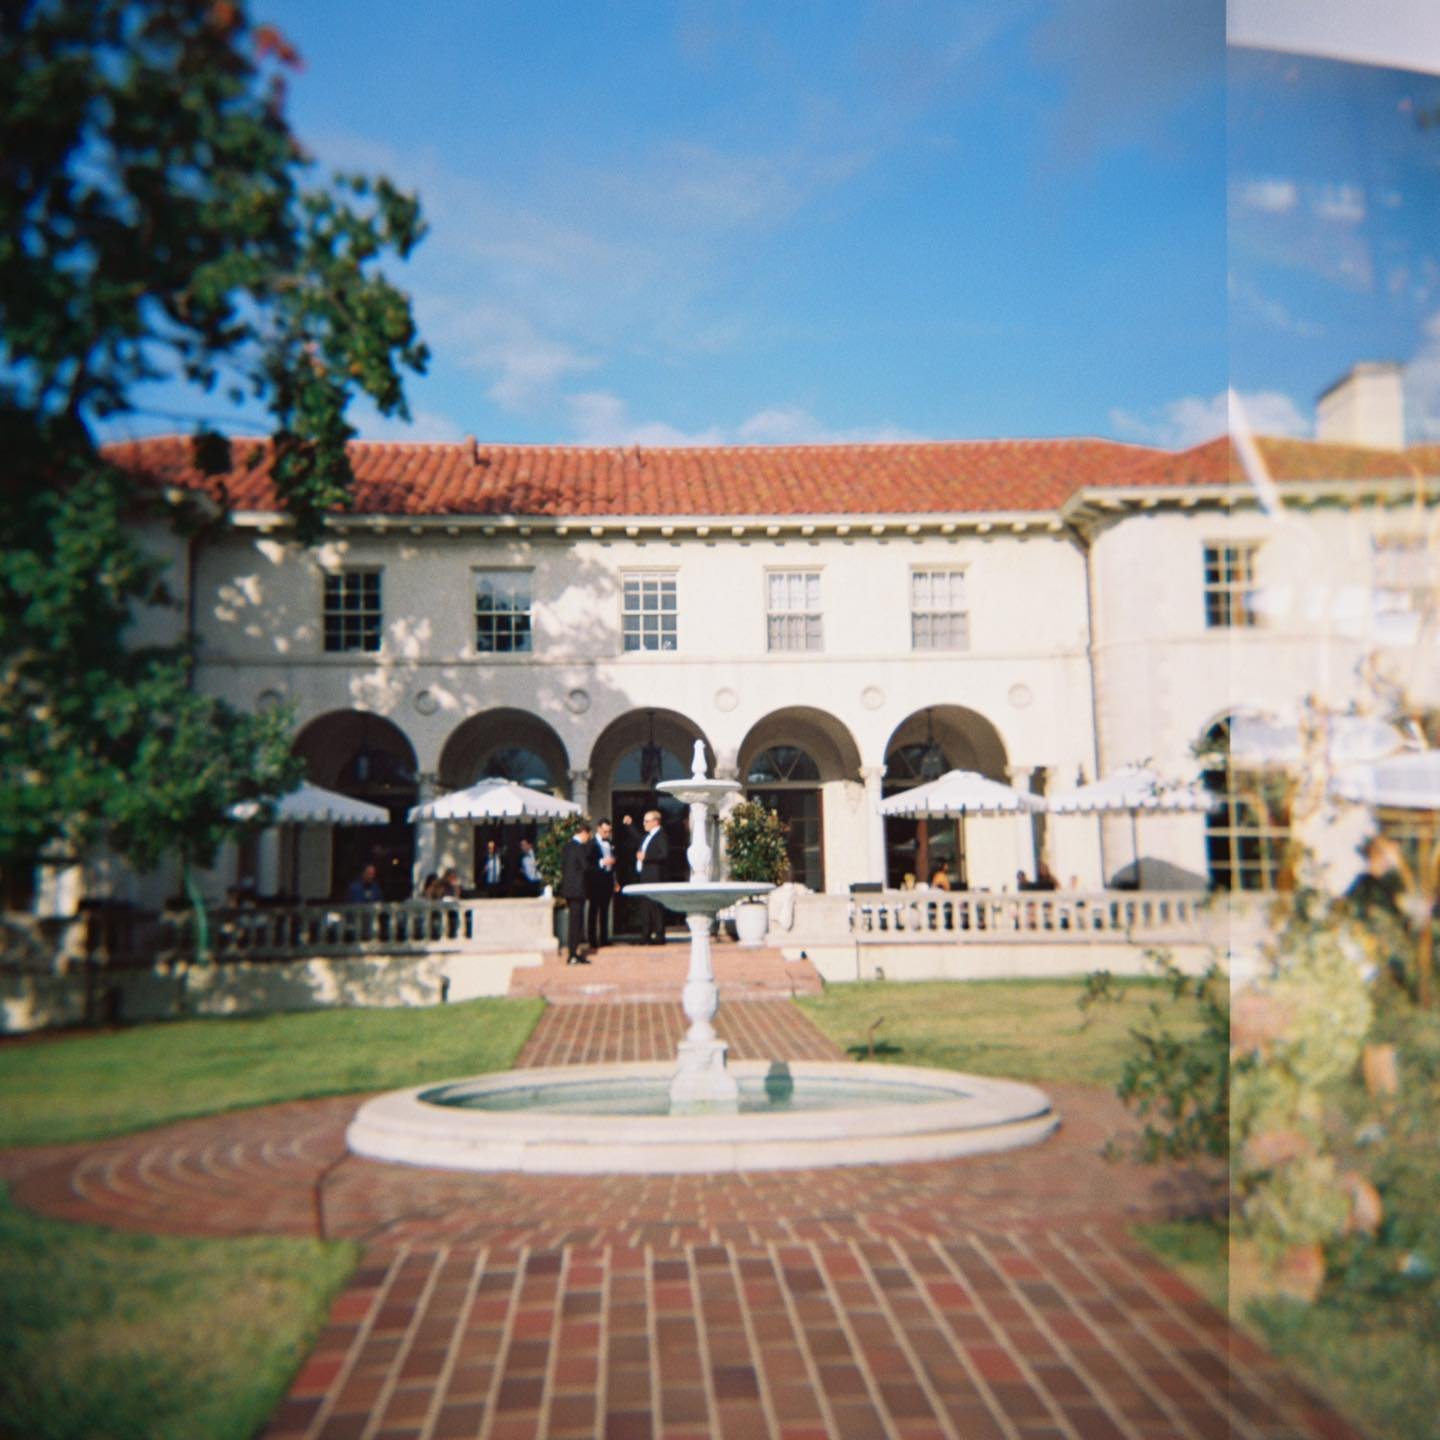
<point>925,478</point>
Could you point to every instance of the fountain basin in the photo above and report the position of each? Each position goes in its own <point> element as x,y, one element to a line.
<point>795,1115</point>
<point>698,897</point>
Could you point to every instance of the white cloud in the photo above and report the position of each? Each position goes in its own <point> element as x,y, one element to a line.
<point>1342,204</point>
<point>1273,197</point>
<point>1273,313</point>
<point>506,344</point>
<point>1193,419</point>
<point>601,418</point>
<point>424,425</point>
<point>789,425</point>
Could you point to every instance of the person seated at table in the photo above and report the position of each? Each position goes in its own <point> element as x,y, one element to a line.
<point>449,885</point>
<point>364,889</point>
<point>1044,880</point>
<point>430,890</point>
<point>940,880</point>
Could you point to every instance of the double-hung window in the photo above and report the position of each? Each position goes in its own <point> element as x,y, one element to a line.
<point>649,612</point>
<point>1403,587</point>
<point>1230,587</point>
<point>939,612</point>
<point>502,612</point>
<point>352,613</point>
<point>793,619</point>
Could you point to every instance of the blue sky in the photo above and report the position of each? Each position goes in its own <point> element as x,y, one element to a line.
<point>720,221</point>
<point>1334,200</point>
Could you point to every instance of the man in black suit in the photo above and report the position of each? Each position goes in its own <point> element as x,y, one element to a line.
<point>650,859</point>
<point>574,862</point>
<point>600,874</point>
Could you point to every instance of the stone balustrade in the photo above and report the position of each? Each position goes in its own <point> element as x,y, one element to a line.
<point>1057,917</point>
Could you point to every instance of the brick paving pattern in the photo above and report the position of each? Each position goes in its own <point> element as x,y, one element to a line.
<point>641,973</point>
<point>989,1298</point>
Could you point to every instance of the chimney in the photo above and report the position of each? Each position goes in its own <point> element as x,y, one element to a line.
<point>1364,407</point>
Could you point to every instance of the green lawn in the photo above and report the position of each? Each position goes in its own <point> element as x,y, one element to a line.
<point>1019,1029</point>
<point>108,1336</point>
<point>85,1087</point>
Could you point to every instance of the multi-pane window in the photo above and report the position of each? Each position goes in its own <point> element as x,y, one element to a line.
<point>1247,834</point>
<point>939,615</point>
<point>648,611</point>
<point>502,611</point>
<point>352,610</point>
<point>1403,582</point>
<point>1230,587</point>
<point>792,610</point>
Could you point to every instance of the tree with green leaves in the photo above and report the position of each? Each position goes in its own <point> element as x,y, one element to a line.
<point>158,219</point>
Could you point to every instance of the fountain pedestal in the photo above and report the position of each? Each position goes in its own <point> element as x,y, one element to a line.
<point>702,1083</point>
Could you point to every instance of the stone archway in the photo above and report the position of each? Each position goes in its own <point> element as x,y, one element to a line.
<point>369,757</point>
<point>922,747</point>
<point>790,761</point>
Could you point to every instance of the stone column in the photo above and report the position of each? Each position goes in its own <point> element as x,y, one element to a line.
<point>721,814</point>
<point>872,775</point>
<point>580,789</point>
<point>1019,777</point>
<point>267,861</point>
<point>427,843</point>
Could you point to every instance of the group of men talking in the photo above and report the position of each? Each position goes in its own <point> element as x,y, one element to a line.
<point>593,869</point>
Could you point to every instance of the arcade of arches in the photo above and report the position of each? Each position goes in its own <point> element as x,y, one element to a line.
<point>801,762</point>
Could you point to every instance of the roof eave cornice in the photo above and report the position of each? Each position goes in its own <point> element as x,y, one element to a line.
<point>665,527</point>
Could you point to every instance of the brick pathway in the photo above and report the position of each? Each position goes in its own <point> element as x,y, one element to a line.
<point>641,973</point>
<point>989,1298</point>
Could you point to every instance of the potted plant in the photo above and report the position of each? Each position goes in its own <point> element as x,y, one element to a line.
<point>755,849</point>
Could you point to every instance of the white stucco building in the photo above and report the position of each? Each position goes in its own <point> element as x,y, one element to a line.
<point>1041,611</point>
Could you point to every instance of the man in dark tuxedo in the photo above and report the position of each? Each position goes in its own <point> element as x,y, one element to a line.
<point>650,859</point>
<point>600,874</point>
<point>574,863</point>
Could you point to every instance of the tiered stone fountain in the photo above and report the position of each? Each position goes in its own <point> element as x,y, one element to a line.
<point>701,1114</point>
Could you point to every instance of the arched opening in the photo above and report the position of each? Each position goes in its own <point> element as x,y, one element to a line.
<point>924,747</point>
<point>504,744</point>
<point>789,761</point>
<point>1247,835</point>
<point>368,757</point>
<point>631,757</point>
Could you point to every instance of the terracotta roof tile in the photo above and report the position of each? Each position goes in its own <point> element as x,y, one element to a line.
<point>921,478</point>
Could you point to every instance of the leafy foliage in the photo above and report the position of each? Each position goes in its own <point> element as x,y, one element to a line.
<point>550,848</point>
<point>156,219</point>
<point>1180,1080</point>
<point>755,844</point>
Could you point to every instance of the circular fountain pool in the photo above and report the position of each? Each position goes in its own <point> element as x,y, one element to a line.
<point>616,1118</point>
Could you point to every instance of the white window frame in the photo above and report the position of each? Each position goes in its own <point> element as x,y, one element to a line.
<point>481,573</point>
<point>1230,584</point>
<point>1403,585</point>
<point>645,628</point>
<point>924,616</point>
<point>358,623</point>
<point>796,626</point>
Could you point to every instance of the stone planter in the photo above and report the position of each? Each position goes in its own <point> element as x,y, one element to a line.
<point>752,922</point>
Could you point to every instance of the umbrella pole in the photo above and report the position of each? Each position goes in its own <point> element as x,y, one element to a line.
<point>1135,850</point>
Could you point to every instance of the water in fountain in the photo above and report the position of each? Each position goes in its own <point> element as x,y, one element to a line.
<point>696,1118</point>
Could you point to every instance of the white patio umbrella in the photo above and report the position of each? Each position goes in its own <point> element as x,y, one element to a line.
<point>1132,791</point>
<point>959,793</point>
<point>315,805</point>
<point>495,799</point>
<point>1404,782</point>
